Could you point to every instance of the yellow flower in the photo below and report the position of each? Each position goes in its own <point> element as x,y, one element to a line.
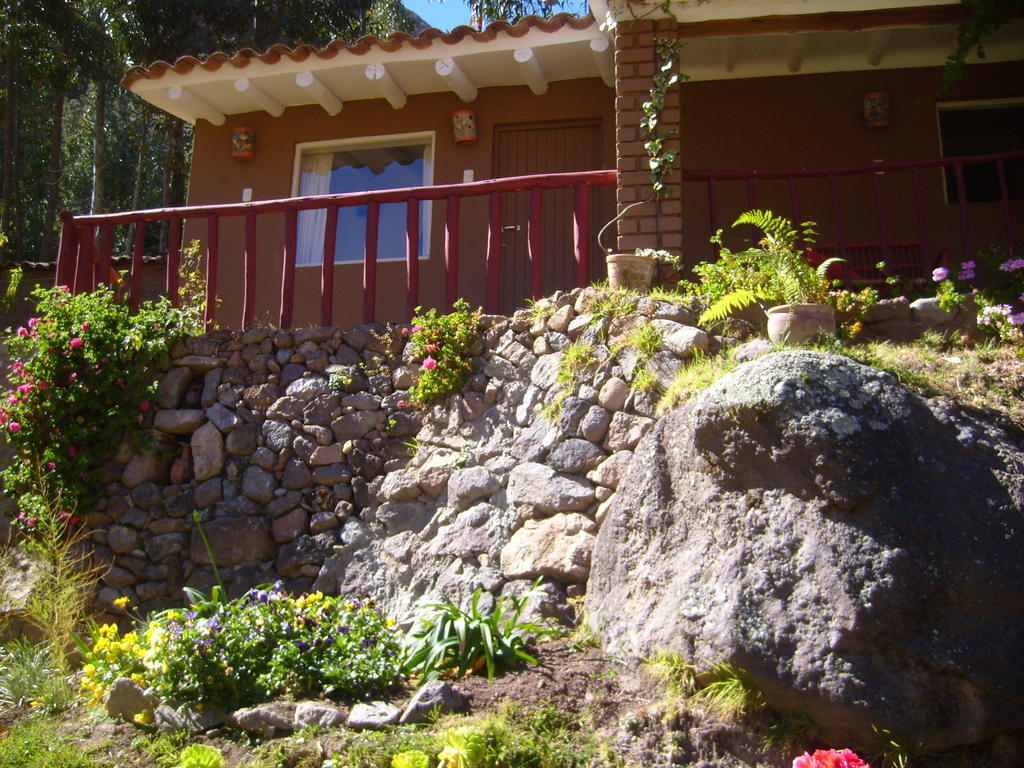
<point>144,718</point>
<point>389,623</point>
<point>35,703</point>
<point>122,602</point>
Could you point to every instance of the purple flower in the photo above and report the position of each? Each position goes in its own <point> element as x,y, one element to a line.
<point>344,630</point>
<point>1017,319</point>
<point>939,274</point>
<point>302,645</point>
<point>966,271</point>
<point>1012,265</point>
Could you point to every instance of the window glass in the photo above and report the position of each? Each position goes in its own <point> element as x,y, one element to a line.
<point>983,130</point>
<point>354,168</point>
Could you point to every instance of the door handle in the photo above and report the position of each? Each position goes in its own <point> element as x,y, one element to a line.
<point>511,228</point>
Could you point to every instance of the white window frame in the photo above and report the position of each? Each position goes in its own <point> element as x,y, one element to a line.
<point>425,138</point>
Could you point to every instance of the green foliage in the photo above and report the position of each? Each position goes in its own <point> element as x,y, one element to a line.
<point>413,758</point>
<point>464,747</point>
<point>201,756</point>
<point>258,646</point>
<point>538,737</point>
<point>376,749</point>
<point>983,18</point>
<point>37,743</point>
<point>661,159</point>
<point>667,258</point>
<point>443,344</point>
<point>678,676</point>
<point>730,690</point>
<point>774,271</point>
<point>31,676</point>
<point>81,379</point>
<point>790,730</point>
<point>644,380</point>
<point>646,340</point>
<point>699,374</point>
<point>463,641</point>
<point>10,293</point>
<point>577,358</point>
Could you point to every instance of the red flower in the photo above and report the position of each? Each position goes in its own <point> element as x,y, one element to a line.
<point>77,342</point>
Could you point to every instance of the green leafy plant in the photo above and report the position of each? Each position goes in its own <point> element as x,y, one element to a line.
<point>774,271</point>
<point>10,294</point>
<point>661,159</point>
<point>697,375</point>
<point>450,639</point>
<point>730,690</point>
<point>464,747</point>
<point>669,259</point>
<point>413,758</point>
<point>82,375</point>
<point>442,343</point>
<point>678,676</point>
<point>201,756</point>
<point>31,676</point>
<point>263,644</point>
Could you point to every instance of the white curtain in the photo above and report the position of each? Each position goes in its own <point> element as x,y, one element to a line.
<point>315,179</point>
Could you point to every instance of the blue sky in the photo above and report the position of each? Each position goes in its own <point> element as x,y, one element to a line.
<point>444,16</point>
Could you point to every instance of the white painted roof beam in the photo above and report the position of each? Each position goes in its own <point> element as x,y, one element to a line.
<point>378,74</point>
<point>259,97</point>
<point>195,106</point>
<point>796,48</point>
<point>878,43</point>
<point>320,93</point>
<point>730,52</point>
<point>526,58</point>
<point>604,58</point>
<point>450,71</point>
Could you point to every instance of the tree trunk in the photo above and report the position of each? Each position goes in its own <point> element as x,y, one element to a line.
<point>53,174</point>
<point>140,168</point>
<point>99,149</point>
<point>9,179</point>
<point>174,172</point>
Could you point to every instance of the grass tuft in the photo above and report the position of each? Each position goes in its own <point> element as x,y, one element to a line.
<point>730,690</point>
<point>699,374</point>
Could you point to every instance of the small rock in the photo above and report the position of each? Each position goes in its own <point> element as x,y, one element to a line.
<point>268,718</point>
<point>179,422</point>
<point>467,485</point>
<point>169,718</point>
<point>126,698</point>
<point>559,547</point>
<point>374,715</point>
<point>575,456</point>
<point>684,341</point>
<point>319,714</point>
<point>290,526</point>
<point>752,350</point>
<point>258,484</point>
<point>222,418</point>
<point>207,452</point>
<point>613,394</point>
<point>436,696</point>
<point>929,311</point>
<point>172,387</point>
<point>542,488</point>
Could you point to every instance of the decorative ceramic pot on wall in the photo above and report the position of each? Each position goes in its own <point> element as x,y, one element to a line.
<point>627,270</point>
<point>876,110</point>
<point>464,126</point>
<point>794,324</point>
<point>243,143</point>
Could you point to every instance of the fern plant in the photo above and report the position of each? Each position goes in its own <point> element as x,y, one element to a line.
<point>773,272</point>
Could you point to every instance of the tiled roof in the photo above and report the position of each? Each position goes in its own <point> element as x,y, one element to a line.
<point>392,43</point>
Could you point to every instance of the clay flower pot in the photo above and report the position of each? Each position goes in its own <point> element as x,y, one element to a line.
<point>627,270</point>
<point>794,324</point>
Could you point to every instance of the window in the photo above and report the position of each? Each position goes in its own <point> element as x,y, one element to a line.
<point>981,128</point>
<point>361,165</point>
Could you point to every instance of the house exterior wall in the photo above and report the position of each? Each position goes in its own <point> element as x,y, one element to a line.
<point>798,121</point>
<point>216,178</point>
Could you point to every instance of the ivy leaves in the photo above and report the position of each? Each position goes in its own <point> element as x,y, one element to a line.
<point>661,159</point>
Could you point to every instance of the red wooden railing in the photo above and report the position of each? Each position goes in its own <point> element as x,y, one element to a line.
<point>828,209</point>
<point>81,268</point>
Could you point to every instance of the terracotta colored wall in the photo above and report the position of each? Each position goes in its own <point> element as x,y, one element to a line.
<point>216,178</point>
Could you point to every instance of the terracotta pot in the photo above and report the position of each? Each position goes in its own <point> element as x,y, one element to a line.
<point>800,323</point>
<point>627,270</point>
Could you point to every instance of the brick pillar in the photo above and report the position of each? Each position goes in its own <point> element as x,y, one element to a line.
<point>653,225</point>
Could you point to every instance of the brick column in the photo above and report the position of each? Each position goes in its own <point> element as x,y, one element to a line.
<point>653,225</point>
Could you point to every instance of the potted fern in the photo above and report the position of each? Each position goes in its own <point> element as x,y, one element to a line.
<point>774,275</point>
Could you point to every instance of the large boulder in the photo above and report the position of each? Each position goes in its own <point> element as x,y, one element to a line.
<point>854,547</point>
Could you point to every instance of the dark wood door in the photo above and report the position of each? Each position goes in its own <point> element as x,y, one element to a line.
<point>549,147</point>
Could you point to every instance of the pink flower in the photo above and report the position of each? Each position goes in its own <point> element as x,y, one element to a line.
<point>75,520</point>
<point>22,331</point>
<point>14,427</point>
<point>830,758</point>
<point>144,405</point>
<point>50,465</point>
<point>85,326</point>
<point>939,274</point>
<point>72,451</point>
<point>418,328</point>
<point>406,331</point>
<point>429,364</point>
<point>77,342</point>
<point>25,388</point>
<point>402,404</point>
<point>72,378</point>
<point>63,288</point>
<point>33,322</point>
<point>31,522</point>
<point>120,382</point>
<point>13,400</point>
<point>432,347</point>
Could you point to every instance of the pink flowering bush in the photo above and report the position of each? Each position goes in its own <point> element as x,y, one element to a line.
<point>442,344</point>
<point>830,758</point>
<point>1000,295</point>
<point>81,368</point>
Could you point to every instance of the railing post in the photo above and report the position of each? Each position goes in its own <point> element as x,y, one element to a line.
<point>102,273</point>
<point>327,267</point>
<point>922,222</point>
<point>173,260</point>
<point>837,214</point>
<point>794,207</point>
<point>581,234</point>
<point>135,296</point>
<point>534,244</point>
<point>751,193</point>
<point>370,262</point>
<point>86,251</point>
<point>249,291</point>
<point>883,235</point>
<point>67,250</point>
<point>288,268</point>
<point>451,252</point>
<point>412,256</point>
<point>212,247</point>
<point>713,212</point>
<point>1004,197</point>
<point>493,300</point>
<point>961,194</point>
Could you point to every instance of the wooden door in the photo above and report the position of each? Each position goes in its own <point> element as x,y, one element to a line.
<point>548,147</point>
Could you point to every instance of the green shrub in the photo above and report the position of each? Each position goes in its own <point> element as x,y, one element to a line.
<point>442,343</point>
<point>201,756</point>
<point>261,645</point>
<point>31,676</point>
<point>450,638</point>
<point>82,374</point>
